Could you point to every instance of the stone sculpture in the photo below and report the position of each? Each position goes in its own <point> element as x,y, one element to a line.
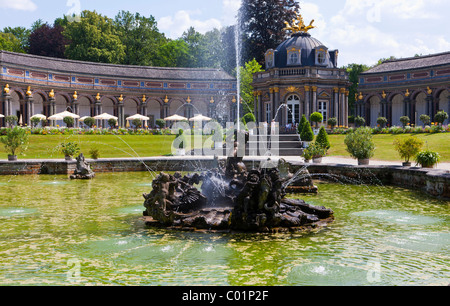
<point>82,171</point>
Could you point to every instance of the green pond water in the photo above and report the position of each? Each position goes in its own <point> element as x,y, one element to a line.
<point>54,231</point>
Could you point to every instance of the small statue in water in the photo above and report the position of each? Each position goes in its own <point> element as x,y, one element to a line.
<point>82,171</point>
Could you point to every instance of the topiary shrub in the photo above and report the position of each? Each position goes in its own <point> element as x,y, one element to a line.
<point>89,121</point>
<point>69,121</point>
<point>112,123</point>
<point>360,121</point>
<point>307,133</point>
<point>441,117</point>
<point>301,124</point>
<point>322,138</point>
<point>160,123</point>
<point>408,147</point>
<point>382,121</point>
<point>426,120</point>
<point>332,122</point>
<point>316,118</point>
<point>249,117</point>
<point>405,120</point>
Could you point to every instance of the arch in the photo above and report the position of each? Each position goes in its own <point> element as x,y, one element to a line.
<point>200,106</point>
<point>111,98</point>
<point>153,110</point>
<point>61,103</point>
<point>444,103</point>
<point>17,96</point>
<point>108,105</point>
<point>421,104</point>
<point>374,110</point>
<point>42,94</point>
<point>176,107</point>
<point>394,94</point>
<point>223,108</point>
<point>38,104</point>
<point>397,109</point>
<point>84,106</point>
<point>130,106</point>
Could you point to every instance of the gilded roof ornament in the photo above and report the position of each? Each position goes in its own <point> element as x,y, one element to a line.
<point>407,94</point>
<point>212,100</point>
<point>189,100</point>
<point>166,100</point>
<point>75,95</point>
<point>144,98</point>
<point>298,25</point>
<point>98,97</point>
<point>6,89</point>
<point>429,90</point>
<point>121,98</point>
<point>51,94</point>
<point>29,93</point>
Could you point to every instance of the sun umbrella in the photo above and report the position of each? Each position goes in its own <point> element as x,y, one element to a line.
<point>56,117</point>
<point>200,118</point>
<point>42,117</point>
<point>2,116</point>
<point>138,116</point>
<point>175,118</point>
<point>68,114</point>
<point>105,116</point>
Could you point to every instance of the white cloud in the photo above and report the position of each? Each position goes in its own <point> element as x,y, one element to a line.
<point>174,26</point>
<point>23,5</point>
<point>230,11</point>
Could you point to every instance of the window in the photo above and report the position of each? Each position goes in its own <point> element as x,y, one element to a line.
<point>323,109</point>
<point>293,58</point>
<point>270,60</point>
<point>321,57</point>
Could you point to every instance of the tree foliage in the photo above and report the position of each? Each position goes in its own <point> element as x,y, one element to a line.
<point>48,41</point>
<point>94,38</point>
<point>262,23</point>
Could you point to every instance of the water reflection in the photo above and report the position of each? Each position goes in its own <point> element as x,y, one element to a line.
<point>382,236</point>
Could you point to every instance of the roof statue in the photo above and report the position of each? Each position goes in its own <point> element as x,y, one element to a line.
<point>298,25</point>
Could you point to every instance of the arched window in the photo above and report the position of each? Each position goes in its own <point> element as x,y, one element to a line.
<point>293,58</point>
<point>321,57</point>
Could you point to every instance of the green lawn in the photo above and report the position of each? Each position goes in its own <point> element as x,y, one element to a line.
<point>385,149</point>
<point>110,146</point>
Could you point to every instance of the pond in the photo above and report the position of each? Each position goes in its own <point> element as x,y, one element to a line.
<point>54,231</point>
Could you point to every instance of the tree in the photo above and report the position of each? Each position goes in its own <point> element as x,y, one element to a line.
<point>332,122</point>
<point>405,120</point>
<point>89,121</point>
<point>140,37</point>
<point>94,38</point>
<point>8,42</point>
<point>174,53</point>
<point>322,138</point>
<point>15,139</point>
<point>360,144</point>
<point>196,49</point>
<point>69,121</point>
<point>228,59</point>
<point>360,121</point>
<point>382,121</point>
<point>354,70</point>
<point>409,147</point>
<point>22,34</point>
<point>247,73</point>
<point>262,23</point>
<point>48,41</point>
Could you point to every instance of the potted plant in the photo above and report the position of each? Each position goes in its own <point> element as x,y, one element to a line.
<point>69,121</point>
<point>332,122</point>
<point>426,120</point>
<point>15,140</point>
<point>301,125</point>
<point>322,138</point>
<point>11,120</point>
<point>89,121</point>
<point>160,123</point>
<point>441,117</point>
<point>308,155</point>
<point>307,134</point>
<point>316,118</point>
<point>360,145</point>
<point>382,121</point>
<point>405,120</point>
<point>69,149</point>
<point>408,148</point>
<point>428,159</point>
<point>112,123</point>
<point>360,121</point>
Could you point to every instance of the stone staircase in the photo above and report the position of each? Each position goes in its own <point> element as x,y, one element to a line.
<point>288,145</point>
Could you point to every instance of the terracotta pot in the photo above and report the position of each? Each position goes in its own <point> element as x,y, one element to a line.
<point>307,161</point>
<point>363,162</point>
<point>68,158</point>
<point>12,157</point>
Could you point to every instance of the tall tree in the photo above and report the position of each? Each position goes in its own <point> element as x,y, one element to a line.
<point>48,41</point>
<point>262,22</point>
<point>22,34</point>
<point>140,36</point>
<point>8,42</point>
<point>250,68</point>
<point>174,53</point>
<point>194,41</point>
<point>228,60</point>
<point>94,38</point>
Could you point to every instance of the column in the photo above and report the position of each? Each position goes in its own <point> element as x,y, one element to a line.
<point>347,93</point>
<point>6,104</point>
<point>307,102</point>
<point>276,91</point>
<point>342,107</point>
<point>314,99</point>
<point>28,110</point>
<point>336,104</point>
<point>52,109</point>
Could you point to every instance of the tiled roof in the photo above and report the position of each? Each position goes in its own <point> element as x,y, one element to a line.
<point>99,69</point>
<point>412,63</point>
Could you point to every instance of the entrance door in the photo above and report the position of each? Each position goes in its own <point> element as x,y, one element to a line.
<point>293,112</point>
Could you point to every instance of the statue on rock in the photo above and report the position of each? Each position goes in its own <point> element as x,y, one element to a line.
<point>82,171</point>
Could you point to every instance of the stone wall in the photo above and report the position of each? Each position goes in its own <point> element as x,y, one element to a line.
<point>431,181</point>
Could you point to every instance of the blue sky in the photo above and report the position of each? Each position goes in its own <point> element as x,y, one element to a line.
<point>362,30</point>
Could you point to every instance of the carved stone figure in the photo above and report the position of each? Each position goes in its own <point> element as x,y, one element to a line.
<point>82,171</point>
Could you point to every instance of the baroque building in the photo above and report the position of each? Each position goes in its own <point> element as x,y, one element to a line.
<point>301,77</point>
<point>405,87</point>
<point>40,85</point>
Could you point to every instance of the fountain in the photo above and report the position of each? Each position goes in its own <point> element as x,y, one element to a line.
<point>232,198</point>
